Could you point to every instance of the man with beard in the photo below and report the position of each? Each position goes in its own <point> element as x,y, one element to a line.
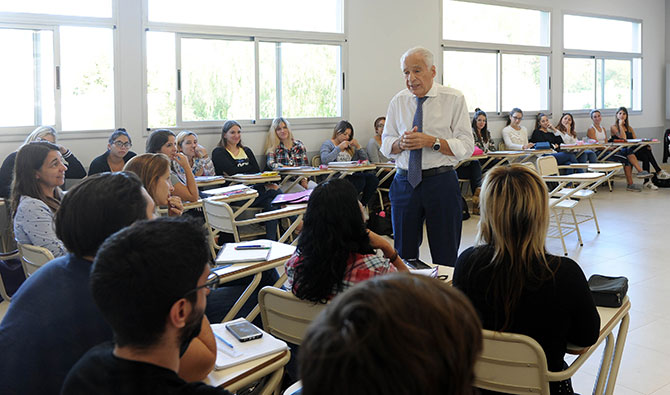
<point>150,282</point>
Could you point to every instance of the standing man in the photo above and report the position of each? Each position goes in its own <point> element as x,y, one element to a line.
<point>427,132</point>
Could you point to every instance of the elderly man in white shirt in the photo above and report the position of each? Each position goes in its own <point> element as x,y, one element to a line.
<point>427,132</point>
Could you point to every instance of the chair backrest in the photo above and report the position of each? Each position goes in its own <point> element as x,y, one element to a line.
<point>547,165</point>
<point>316,161</point>
<point>33,257</point>
<point>511,363</point>
<point>219,215</point>
<point>284,315</point>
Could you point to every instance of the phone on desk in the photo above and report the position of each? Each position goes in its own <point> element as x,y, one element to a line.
<point>244,331</point>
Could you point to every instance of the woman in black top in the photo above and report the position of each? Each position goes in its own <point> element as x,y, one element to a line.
<point>514,284</point>
<point>544,132</point>
<point>43,133</point>
<point>230,157</point>
<point>118,153</point>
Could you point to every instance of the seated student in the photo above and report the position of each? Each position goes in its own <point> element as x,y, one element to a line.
<point>375,143</point>
<point>545,132</point>
<point>52,320</point>
<point>154,171</point>
<point>599,134</point>
<point>480,131</point>
<point>566,131</point>
<point>515,135</point>
<point>118,153</point>
<point>163,141</point>
<point>230,157</point>
<point>201,164</point>
<point>395,334</point>
<point>154,297</point>
<point>622,130</point>
<point>343,147</point>
<point>511,280</point>
<point>42,133</point>
<point>281,149</point>
<point>472,170</point>
<point>335,251</point>
<point>36,195</point>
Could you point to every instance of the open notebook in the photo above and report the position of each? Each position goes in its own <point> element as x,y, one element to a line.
<point>243,351</point>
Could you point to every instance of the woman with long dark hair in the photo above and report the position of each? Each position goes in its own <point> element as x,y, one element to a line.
<point>515,285</point>
<point>335,251</point>
<point>164,141</point>
<point>36,195</point>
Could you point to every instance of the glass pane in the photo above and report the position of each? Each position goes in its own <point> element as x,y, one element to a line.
<point>617,83</point>
<point>474,74</point>
<point>304,15</point>
<point>217,79</point>
<point>464,21</point>
<point>94,8</point>
<point>87,78</point>
<point>637,84</point>
<point>44,61</point>
<point>578,84</point>
<point>268,79</point>
<point>161,80</point>
<point>310,83</point>
<point>525,82</point>
<point>17,77</point>
<point>601,34</point>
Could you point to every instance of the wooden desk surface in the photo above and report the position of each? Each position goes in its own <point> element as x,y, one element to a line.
<point>354,168</point>
<point>387,165</point>
<point>308,172</point>
<point>252,179</point>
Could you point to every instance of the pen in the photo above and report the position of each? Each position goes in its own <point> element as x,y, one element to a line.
<point>226,342</point>
<point>252,247</point>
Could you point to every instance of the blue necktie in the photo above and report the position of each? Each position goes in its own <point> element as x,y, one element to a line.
<point>414,167</point>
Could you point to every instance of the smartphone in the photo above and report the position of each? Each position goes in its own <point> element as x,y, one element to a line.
<point>244,331</point>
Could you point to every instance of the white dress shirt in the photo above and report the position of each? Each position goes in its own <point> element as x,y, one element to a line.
<point>445,115</point>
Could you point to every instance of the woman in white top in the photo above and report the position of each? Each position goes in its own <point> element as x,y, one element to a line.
<point>514,135</point>
<point>566,129</point>
<point>599,134</point>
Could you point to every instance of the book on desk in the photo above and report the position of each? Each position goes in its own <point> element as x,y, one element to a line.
<point>246,251</point>
<point>240,352</point>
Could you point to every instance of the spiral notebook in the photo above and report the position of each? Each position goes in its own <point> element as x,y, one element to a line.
<point>243,351</point>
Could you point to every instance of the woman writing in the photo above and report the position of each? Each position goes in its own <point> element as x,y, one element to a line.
<point>36,195</point>
<point>164,141</point>
<point>514,284</point>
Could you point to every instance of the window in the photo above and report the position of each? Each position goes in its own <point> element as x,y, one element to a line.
<point>602,63</point>
<point>204,73</point>
<point>60,73</point>
<point>496,61</point>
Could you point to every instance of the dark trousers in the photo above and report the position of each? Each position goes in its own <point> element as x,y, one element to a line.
<point>264,201</point>
<point>471,171</point>
<point>366,182</point>
<point>437,201</point>
<point>645,156</point>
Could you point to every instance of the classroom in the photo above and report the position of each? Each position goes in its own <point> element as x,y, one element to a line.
<point>90,67</point>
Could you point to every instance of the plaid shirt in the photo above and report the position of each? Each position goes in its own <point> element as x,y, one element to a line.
<point>198,163</point>
<point>295,156</point>
<point>359,268</point>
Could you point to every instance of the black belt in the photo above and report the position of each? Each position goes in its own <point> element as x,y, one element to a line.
<point>429,172</point>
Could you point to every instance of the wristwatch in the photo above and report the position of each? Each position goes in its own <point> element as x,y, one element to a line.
<point>437,145</point>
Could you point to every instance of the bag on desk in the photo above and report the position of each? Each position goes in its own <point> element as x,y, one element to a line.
<point>380,223</point>
<point>608,291</point>
<point>542,145</point>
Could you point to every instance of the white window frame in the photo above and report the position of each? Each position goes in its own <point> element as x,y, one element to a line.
<point>257,36</point>
<point>53,23</point>
<point>500,50</point>
<point>606,55</point>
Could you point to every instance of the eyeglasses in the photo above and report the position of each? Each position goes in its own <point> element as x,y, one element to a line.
<point>212,283</point>
<point>121,144</point>
<point>517,118</point>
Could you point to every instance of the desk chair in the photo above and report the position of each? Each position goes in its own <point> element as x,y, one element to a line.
<point>316,160</point>
<point>33,257</point>
<point>6,227</point>
<point>220,217</point>
<point>294,388</point>
<point>284,315</point>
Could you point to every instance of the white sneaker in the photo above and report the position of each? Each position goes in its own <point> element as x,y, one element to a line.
<point>663,175</point>
<point>651,186</point>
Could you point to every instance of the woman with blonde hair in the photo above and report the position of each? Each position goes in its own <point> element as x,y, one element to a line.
<point>75,169</point>
<point>511,279</point>
<point>281,149</point>
<point>154,171</point>
<point>201,164</point>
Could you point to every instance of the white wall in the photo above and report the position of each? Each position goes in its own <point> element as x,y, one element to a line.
<point>378,32</point>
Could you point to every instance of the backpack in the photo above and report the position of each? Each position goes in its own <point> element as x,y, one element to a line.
<point>660,183</point>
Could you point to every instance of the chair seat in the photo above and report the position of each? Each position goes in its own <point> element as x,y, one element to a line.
<point>566,204</point>
<point>581,194</point>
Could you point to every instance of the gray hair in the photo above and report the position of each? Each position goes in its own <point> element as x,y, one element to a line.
<point>425,54</point>
<point>39,133</point>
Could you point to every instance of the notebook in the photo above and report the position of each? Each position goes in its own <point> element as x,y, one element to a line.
<point>243,351</point>
<point>229,253</point>
<point>229,190</point>
<point>297,197</point>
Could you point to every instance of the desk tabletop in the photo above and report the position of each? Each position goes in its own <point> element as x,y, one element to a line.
<point>576,177</point>
<point>303,171</point>
<point>227,378</point>
<point>207,181</point>
<point>352,168</point>
<point>386,165</point>
<point>500,154</point>
<point>253,178</point>
<point>279,253</point>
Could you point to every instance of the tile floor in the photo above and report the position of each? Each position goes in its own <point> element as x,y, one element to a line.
<point>634,242</point>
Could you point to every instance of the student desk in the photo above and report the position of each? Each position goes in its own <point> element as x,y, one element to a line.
<point>279,253</point>
<point>237,377</point>
<point>512,157</point>
<point>251,179</point>
<point>293,175</point>
<point>613,148</point>
<point>348,170</point>
<point>579,149</point>
<point>388,167</point>
<point>249,195</point>
<point>209,181</point>
<point>609,168</point>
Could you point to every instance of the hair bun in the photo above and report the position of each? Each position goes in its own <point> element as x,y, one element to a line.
<point>477,109</point>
